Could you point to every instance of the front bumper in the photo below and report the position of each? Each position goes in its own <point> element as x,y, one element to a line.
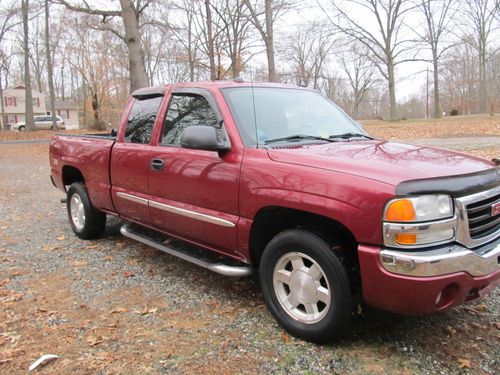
<point>443,260</point>
<point>425,282</point>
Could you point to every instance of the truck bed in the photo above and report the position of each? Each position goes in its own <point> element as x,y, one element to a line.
<point>89,154</point>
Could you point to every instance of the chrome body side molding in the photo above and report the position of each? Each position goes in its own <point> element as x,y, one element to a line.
<point>176,210</point>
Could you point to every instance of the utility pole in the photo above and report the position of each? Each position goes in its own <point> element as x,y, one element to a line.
<point>427,98</point>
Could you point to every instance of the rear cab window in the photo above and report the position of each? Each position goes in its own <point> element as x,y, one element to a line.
<point>141,119</point>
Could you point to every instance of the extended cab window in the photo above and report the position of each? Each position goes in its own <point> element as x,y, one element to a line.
<point>141,120</point>
<point>186,110</point>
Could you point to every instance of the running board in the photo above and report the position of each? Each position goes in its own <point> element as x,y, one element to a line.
<point>200,257</point>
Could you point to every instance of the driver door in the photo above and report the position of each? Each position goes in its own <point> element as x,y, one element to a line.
<point>194,193</point>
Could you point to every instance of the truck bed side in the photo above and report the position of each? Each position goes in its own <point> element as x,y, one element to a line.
<point>77,158</point>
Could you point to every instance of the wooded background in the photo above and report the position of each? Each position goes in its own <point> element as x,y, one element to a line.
<point>357,52</point>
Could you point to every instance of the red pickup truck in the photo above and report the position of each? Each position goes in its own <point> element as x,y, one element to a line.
<point>277,180</point>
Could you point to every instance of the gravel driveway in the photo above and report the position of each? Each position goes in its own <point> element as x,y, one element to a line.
<point>115,306</point>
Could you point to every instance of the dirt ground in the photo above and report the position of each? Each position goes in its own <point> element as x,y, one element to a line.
<point>114,306</point>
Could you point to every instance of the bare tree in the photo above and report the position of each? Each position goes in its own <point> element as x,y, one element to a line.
<point>234,22</point>
<point>459,79</point>
<point>264,21</point>
<point>50,76</point>
<point>308,50</point>
<point>482,21</point>
<point>361,74</point>
<point>386,42</point>
<point>7,23</point>
<point>438,15</point>
<point>210,40</point>
<point>87,53</point>
<point>130,14</point>
<point>27,77</point>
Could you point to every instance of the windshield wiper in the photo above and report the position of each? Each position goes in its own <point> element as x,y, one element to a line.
<point>349,135</point>
<point>297,138</point>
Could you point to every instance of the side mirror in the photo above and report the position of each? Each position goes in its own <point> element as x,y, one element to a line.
<point>204,138</point>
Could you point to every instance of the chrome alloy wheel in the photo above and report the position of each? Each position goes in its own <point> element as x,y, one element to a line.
<point>77,211</point>
<point>301,287</point>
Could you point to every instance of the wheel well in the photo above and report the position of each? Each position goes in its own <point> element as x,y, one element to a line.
<point>270,221</point>
<point>71,174</point>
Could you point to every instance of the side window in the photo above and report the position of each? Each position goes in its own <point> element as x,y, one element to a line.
<point>186,110</point>
<point>141,120</point>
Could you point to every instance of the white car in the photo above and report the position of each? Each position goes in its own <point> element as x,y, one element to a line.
<point>41,123</point>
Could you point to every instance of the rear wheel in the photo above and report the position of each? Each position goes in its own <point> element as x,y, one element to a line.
<point>305,285</point>
<point>22,128</point>
<point>85,220</point>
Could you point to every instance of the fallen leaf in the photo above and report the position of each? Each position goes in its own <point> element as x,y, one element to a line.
<point>285,337</point>
<point>109,257</point>
<point>79,263</point>
<point>128,274</point>
<point>463,363</point>
<point>147,310</point>
<point>61,238</point>
<point>118,310</point>
<point>133,261</point>
<point>450,330</point>
<point>497,324</point>
<point>94,340</point>
<point>477,325</point>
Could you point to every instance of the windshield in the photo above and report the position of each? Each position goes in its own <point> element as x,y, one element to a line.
<point>284,112</point>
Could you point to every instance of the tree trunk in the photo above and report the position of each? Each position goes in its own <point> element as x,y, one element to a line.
<point>437,104</point>
<point>210,42</point>
<point>27,78</point>
<point>2,120</point>
<point>50,77</point>
<point>271,65</point>
<point>95,108</point>
<point>138,76</point>
<point>483,107</point>
<point>392,91</point>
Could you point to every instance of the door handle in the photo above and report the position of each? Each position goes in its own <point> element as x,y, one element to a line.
<point>157,165</point>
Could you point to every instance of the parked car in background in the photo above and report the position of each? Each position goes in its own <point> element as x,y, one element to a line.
<point>41,123</point>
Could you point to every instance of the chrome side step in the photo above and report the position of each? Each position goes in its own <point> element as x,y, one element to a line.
<point>199,257</point>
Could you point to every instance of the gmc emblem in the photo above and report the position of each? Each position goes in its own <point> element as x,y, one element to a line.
<point>495,209</point>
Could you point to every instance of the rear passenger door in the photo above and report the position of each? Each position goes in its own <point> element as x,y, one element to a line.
<point>194,194</point>
<point>130,158</point>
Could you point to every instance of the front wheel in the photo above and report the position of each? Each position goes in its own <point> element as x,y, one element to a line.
<point>85,220</point>
<point>305,285</point>
<point>22,128</point>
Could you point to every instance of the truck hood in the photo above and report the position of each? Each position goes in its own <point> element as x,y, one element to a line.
<point>384,161</point>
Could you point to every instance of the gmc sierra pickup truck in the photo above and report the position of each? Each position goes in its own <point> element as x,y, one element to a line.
<point>277,180</point>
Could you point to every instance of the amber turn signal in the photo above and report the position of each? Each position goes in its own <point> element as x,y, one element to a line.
<point>406,239</point>
<point>400,210</point>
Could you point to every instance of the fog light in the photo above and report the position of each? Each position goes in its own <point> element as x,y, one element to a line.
<point>447,296</point>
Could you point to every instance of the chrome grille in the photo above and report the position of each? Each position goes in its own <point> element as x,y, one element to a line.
<point>481,223</point>
<point>476,226</point>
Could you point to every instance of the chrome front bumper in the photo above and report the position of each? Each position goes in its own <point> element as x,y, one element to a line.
<point>443,260</point>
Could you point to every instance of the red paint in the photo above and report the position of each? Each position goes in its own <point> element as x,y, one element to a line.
<point>349,182</point>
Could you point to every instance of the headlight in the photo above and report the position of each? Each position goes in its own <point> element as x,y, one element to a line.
<point>420,220</point>
<point>417,209</point>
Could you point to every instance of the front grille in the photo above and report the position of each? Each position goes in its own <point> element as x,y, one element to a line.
<point>481,223</point>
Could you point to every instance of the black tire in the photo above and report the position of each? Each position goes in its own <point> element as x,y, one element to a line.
<point>332,318</point>
<point>93,222</point>
<point>22,128</point>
